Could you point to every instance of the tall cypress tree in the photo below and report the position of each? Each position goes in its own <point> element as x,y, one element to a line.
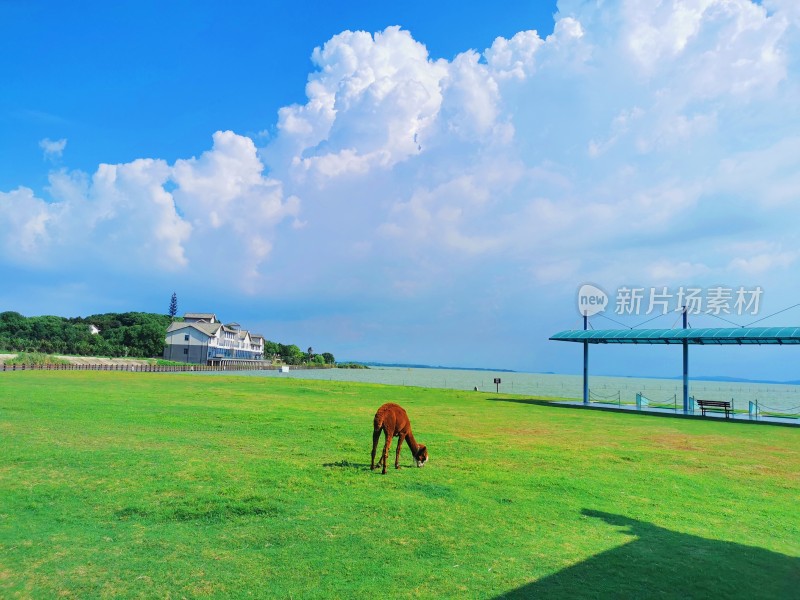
<point>173,305</point>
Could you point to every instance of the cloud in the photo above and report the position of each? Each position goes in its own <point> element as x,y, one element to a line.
<point>215,211</point>
<point>760,263</point>
<point>53,148</point>
<point>712,53</point>
<point>634,144</point>
<point>230,205</point>
<point>666,271</point>
<point>121,217</point>
<point>514,58</point>
<point>370,104</point>
<point>760,257</point>
<point>23,225</point>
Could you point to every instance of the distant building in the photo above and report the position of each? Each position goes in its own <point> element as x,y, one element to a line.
<point>94,330</point>
<point>201,339</point>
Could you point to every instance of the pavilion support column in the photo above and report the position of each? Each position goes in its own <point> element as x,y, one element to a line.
<point>585,362</point>
<point>685,367</point>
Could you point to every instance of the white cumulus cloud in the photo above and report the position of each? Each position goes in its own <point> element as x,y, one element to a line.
<point>636,142</point>
<point>231,205</point>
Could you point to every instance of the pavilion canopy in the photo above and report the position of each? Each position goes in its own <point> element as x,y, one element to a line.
<point>703,336</point>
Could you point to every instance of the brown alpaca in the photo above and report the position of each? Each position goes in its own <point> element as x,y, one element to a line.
<point>393,421</point>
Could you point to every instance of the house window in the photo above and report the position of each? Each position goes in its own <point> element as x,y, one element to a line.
<point>186,351</point>
<point>186,337</point>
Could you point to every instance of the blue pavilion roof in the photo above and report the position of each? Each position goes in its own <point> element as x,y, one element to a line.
<point>729,335</point>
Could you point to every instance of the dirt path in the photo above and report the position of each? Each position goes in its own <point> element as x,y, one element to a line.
<point>88,360</point>
<point>96,360</point>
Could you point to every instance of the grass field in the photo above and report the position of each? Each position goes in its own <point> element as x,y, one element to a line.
<point>172,486</point>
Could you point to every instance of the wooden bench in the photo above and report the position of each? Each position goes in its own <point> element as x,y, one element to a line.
<point>718,405</point>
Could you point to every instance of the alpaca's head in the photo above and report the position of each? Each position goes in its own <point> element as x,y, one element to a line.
<point>422,456</point>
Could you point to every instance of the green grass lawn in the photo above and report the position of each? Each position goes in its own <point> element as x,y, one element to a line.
<point>117,484</point>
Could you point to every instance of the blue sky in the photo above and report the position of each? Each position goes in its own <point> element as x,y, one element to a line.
<point>406,182</point>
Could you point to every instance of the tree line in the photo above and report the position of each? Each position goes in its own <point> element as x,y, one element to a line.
<point>117,335</point>
<point>293,355</point>
<point>120,334</point>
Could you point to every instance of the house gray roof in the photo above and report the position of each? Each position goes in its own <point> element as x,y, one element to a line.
<point>210,317</point>
<point>208,324</point>
<point>208,328</point>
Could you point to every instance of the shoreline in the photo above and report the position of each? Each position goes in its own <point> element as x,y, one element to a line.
<point>711,379</point>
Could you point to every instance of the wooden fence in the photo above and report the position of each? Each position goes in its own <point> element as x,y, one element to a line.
<point>154,368</point>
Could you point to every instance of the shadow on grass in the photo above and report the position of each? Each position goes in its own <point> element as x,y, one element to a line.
<point>525,401</point>
<point>660,563</point>
<point>345,464</point>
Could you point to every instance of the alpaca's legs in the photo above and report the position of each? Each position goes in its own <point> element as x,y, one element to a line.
<point>399,448</point>
<point>376,436</point>
<point>385,457</point>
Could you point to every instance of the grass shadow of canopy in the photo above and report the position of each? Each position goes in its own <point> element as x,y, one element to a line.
<point>660,563</point>
<point>534,401</point>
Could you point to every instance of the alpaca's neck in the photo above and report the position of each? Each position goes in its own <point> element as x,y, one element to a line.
<point>412,443</point>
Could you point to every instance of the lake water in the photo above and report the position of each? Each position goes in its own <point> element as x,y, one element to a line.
<point>771,397</point>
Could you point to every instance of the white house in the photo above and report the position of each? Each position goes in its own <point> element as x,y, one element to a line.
<point>201,339</point>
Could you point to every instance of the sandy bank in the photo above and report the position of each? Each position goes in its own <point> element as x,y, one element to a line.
<point>88,360</point>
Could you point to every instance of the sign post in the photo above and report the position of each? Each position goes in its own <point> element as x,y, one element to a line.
<point>497,383</point>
